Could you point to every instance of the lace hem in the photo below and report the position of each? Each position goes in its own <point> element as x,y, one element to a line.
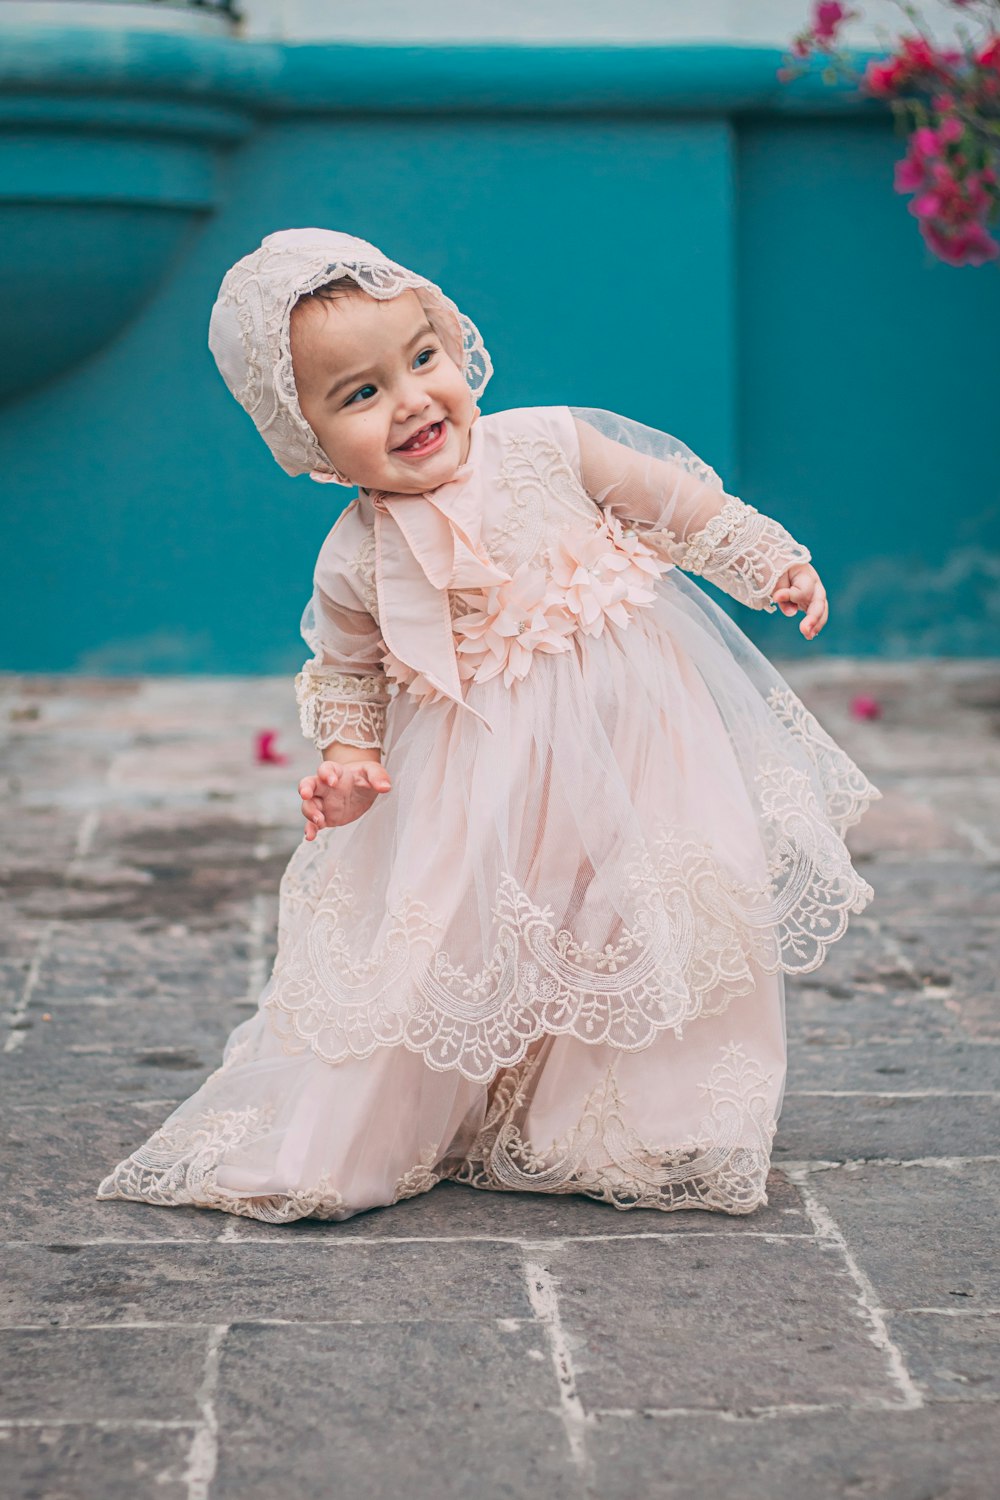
<point>741,551</point>
<point>341,706</point>
<point>722,1169</point>
<point>847,791</point>
<point>178,1165</point>
<point>697,939</point>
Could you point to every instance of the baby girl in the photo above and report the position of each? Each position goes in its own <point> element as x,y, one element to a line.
<point>570,828</point>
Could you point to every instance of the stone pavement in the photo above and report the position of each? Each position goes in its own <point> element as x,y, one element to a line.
<point>843,1340</point>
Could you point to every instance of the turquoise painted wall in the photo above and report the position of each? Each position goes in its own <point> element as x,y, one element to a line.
<point>711,253</point>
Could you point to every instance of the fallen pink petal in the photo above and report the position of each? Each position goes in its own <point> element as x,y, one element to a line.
<point>264,751</point>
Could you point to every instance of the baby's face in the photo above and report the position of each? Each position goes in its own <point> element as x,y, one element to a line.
<point>369,374</point>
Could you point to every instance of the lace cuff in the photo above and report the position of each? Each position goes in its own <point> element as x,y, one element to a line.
<point>341,706</point>
<point>741,551</point>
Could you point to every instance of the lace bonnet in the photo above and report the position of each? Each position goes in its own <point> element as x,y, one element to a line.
<point>248,331</point>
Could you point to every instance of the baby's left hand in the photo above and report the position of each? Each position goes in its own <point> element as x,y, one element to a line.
<point>799,587</point>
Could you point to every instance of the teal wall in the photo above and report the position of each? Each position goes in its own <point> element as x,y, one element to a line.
<point>710,252</point>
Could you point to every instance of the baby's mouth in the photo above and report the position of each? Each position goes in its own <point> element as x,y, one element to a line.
<point>427,437</point>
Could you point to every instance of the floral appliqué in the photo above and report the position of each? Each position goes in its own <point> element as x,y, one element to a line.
<point>592,578</point>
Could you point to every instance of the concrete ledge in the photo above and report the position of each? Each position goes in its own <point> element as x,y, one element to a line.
<point>380,78</point>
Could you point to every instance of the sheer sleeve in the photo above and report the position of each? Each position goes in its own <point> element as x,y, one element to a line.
<point>342,692</point>
<point>678,503</point>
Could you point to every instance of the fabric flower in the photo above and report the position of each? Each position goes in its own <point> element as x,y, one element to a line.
<point>591,578</point>
<point>640,556</point>
<point>409,681</point>
<point>603,575</point>
<point>518,617</point>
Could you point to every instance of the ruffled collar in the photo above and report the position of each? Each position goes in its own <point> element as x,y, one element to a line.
<point>443,524</point>
<point>461,474</point>
<point>425,544</point>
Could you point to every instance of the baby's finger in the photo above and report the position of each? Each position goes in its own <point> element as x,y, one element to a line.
<point>312,811</point>
<point>784,602</point>
<point>815,619</point>
<point>330,772</point>
<point>817,603</point>
<point>377,778</point>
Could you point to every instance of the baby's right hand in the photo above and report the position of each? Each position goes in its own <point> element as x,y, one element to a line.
<point>340,793</point>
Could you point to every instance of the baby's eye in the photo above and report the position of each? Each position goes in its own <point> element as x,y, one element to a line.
<point>432,349</point>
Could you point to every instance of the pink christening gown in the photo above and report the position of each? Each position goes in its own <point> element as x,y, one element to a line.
<point>552,957</point>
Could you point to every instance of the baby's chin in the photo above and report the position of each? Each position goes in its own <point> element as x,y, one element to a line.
<point>417,485</point>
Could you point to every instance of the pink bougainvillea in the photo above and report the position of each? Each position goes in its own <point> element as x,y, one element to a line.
<point>264,752</point>
<point>949,99</point>
<point>864,706</point>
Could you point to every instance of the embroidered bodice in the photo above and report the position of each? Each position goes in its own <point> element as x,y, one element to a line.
<point>576,563</point>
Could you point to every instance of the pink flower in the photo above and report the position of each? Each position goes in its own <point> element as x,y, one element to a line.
<point>865,707</point>
<point>828,19</point>
<point>598,576</point>
<point>593,578</point>
<point>520,616</point>
<point>926,206</point>
<point>926,143</point>
<point>950,130</point>
<point>967,245</point>
<point>908,176</point>
<point>989,56</point>
<point>920,54</point>
<point>604,575</point>
<point>629,542</point>
<point>916,56</point>
<point>410,681</point>
<point>883,79</point>
<point>264,752</point>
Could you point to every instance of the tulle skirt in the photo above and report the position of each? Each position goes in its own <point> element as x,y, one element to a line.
<point>549,959</point>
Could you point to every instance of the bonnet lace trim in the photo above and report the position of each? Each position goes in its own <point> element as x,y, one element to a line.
<point>256,300</point>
